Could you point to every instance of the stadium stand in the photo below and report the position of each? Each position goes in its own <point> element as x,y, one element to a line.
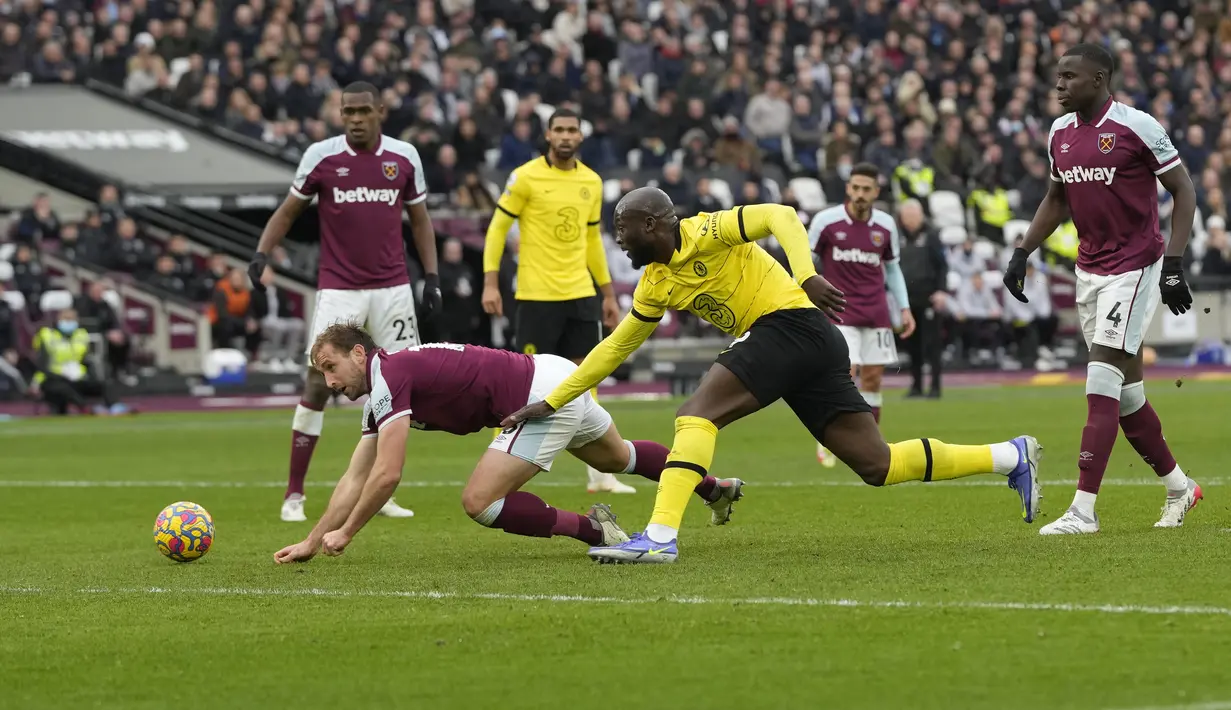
<point>198,110</point>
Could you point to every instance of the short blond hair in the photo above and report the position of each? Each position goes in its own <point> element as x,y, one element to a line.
<point>343,337</point>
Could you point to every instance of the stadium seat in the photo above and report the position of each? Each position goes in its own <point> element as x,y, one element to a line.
<point>809,193</point>
<point>15,300</point>
<point>6,271</point>
<point>946,209</point>
<point>722,39</point>
<point>634,159</point>
<point>1015,228</point>
<point>721,190</point>
<point>611,190</point>
<point>491,157</point>
<point>586,128</point>
<point>654,10</point>
<point>649,84</point>
<point>7,251</point>
<point>544,112</point>
<point>952,281</point>
<point>1015,199</point>
<point>952,235</point>
<point>510,103</point>
<point>113,299</point>
<point>985,250</point>
<point>614,67</point>
<point>993,279</point>
<point>55,300</point>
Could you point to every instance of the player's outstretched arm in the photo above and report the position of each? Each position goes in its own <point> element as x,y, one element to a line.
<point>1051,212</point>
<point>598,365</point>
<point>383,480</point>
<point>345,496</point>
<point>1172,285</point>
<point>273,234</point>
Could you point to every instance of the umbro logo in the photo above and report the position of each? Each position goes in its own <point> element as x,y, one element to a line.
<point>343,172</point>
<point>1173,281</point>
<point>1064,148</point>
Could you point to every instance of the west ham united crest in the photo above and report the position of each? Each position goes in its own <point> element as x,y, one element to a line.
<point>390,169</point>
<point>878,239</point>
<point>1106,141</point>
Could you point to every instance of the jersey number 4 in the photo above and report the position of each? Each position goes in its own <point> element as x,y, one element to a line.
<point>1113,316</point>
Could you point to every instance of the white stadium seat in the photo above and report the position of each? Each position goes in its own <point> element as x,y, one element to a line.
<point>15,300</point>
<point>1015,228</point>
<point>113,299</point>
<point>491,157</point>
<point>809,193</point>
<point>510,103</point>
<point>6,271</point>
<point>952,236</point>
<point>985,250</point>
<point>611,190</point>
<point>544,112</point>
<point>952,281</point>
<point>993,279</point>
<point>722,192</point>
<point>55,300</point>
<point>7,251</point>
<point>947,209</point>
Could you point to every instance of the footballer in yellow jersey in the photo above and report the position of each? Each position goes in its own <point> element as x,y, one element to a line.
<point>786,348</point>
<point>558,204</point>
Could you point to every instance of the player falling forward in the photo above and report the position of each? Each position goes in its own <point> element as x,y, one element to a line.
<point>363,181</point>
<point>787,349</point>
<point>858,249</point>
<point>463,389</point>
<point>1105,157</point>
<point>558,204</point>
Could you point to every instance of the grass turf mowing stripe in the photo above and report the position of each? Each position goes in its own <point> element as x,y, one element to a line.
<point>582,599</point>
<point>820,482</point>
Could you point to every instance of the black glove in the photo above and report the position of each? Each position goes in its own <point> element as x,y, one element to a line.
<point>1015,275</point>
<point>256,268</point>
<point>432,300</point>
<point>1175,293</point>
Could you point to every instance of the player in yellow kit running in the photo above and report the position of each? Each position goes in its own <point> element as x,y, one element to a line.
<point>558,204</point>
<point>786,349</point>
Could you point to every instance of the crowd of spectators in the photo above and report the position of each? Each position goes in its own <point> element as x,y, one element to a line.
<point>698,95</point>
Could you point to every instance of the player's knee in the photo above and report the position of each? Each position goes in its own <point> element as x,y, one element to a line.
<point>873,467</point>
<point>870,380</point>
<point>477,505</point>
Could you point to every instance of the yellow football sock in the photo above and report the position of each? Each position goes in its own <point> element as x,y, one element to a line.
<point>934,460</point>
<point>689,462</point>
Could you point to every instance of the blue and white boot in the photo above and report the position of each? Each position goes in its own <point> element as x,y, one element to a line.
<point>640,549</point>
<point>1025,478</point>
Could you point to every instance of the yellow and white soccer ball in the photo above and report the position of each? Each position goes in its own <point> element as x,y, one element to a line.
<point>184,531</point>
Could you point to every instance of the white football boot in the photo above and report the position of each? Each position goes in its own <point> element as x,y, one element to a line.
<point>612,533</point>
<point>606,483</point>
<point>729,490</point>
<point>1073,522</point>
<point>292,509</point>
<point>826,459</point>
<point>1177,507</point>
<point>392,510</point>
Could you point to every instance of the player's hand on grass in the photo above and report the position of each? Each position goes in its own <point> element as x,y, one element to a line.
<point>492,304</point>
<point>611,312</point>
<point>538,410</point>
<point>433,301</point>
<point>334,543</point>
<point>256,268</point>
<point>826,297</point>
<point>1175,293</point>
<point>1015,275</point>
<point>908,323</point>
<point>299,552</point>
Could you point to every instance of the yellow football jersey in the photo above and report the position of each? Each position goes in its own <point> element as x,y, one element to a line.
<point>718,273</point>
<point>559,212</point>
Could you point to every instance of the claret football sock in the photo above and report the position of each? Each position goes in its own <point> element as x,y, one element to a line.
<point>306,430</point>
<point>1103,385</point>
<point>1144,430</point>
<point>522,513</point>
<point>648,458</point>
<point>687,465</point>
<point>934,460</point>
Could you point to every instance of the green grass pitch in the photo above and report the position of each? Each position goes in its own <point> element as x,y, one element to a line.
<point>822,593</point>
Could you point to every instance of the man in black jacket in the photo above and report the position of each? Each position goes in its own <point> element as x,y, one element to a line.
<point>98,316</point>
<point>923,264</point>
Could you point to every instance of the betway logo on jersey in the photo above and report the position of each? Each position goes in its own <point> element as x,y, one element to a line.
<point>857,256</point>
<point>366,195</point>
<point>1079,174</point>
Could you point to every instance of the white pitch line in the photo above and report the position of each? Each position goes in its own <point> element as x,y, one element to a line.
<point>1216,705</point>
<point>850,482</point>
<point>583,599</point>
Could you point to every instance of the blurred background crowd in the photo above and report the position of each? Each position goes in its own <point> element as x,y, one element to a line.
<point>718,102</point>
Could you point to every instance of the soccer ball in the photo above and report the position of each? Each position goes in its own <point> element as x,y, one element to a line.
<point>184,531</point>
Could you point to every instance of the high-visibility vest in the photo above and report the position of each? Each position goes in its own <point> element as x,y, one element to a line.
<point>993,206</point>
<point>919,181</point>
<point>64,353</point>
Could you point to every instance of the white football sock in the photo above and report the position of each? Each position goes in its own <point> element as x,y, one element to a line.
<point>1176,482</point>
<point>1005,458</point>
<point>1084,502</point>
<point>662,534</point>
